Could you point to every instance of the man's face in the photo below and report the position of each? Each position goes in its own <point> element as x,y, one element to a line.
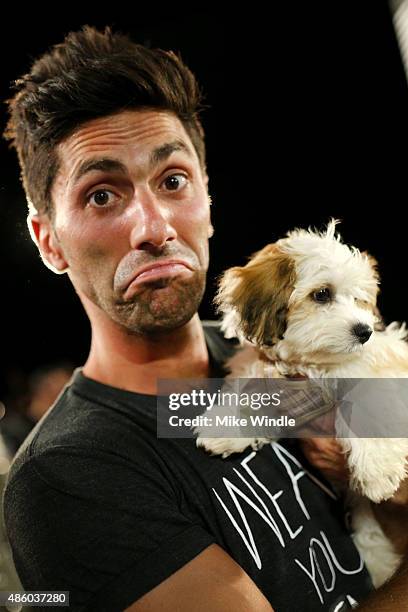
<point>131,220</point>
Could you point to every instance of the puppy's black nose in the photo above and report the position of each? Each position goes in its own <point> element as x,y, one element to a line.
<point>362,332</point>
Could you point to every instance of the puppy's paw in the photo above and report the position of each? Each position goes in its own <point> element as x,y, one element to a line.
<point>378,466</point>
<point>227,446</point>
<point>381,489</point>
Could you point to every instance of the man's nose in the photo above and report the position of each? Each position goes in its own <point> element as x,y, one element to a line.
<point>151,224</point>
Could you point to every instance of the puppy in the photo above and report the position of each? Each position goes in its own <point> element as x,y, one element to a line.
<point>306,305</point>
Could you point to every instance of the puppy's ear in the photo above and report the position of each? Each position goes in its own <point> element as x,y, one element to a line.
<point>373,264</point>
<point>379,324</point>
<point>255,297</point>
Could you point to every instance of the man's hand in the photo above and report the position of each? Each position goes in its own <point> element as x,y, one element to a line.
<point>327,456</point>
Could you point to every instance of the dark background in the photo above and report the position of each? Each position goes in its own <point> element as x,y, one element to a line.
<point>308,120</point>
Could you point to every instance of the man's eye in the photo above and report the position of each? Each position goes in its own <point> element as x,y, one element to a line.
<point>175,182</point>
<point>102,197</point>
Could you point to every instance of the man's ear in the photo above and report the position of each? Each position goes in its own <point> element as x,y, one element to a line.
<point>43,234</point>
<point>210,227</point>
<point>205,177</point>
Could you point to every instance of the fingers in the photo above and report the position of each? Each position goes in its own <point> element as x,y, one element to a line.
<point>327,456</point>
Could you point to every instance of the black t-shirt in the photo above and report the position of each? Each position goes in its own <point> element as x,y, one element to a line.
<point>98,506</point>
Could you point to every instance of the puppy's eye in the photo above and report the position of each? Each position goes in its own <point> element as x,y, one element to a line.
<point>322,296</point>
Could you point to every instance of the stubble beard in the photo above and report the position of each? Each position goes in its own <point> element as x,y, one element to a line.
<point>162,305</point>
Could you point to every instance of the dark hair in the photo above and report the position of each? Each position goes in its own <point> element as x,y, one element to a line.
<point>93,74</point>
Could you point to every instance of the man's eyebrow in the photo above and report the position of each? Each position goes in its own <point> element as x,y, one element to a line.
<point>158,155</point>
<point>165,150</point>
<point>99,165</point>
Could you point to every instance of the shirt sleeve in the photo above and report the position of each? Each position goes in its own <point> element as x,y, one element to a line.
<point>97,526</point>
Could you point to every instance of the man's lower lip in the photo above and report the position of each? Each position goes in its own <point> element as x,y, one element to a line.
<point>165,271</point>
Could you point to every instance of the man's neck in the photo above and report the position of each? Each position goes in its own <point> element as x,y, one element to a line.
<point>134,363</point>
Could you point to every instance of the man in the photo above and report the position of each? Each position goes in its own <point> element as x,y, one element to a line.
<point>113,163</point>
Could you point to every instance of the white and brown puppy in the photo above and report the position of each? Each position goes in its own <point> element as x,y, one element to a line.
<point>307,305</point>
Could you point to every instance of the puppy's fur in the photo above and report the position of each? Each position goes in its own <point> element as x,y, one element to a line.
<point>307,305</point>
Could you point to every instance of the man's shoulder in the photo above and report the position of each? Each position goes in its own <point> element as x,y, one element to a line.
<point>79,423</point>
<point>90,419</point>
<point>79,445</point>
<point>221,348</point>
<point>51,432</point>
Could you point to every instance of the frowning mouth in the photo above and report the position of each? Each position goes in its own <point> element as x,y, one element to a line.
<point>152,272</point>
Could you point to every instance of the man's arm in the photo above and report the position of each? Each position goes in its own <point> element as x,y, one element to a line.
<point>393,518</point>
<point>391,597</point>
<point>211,581</point>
